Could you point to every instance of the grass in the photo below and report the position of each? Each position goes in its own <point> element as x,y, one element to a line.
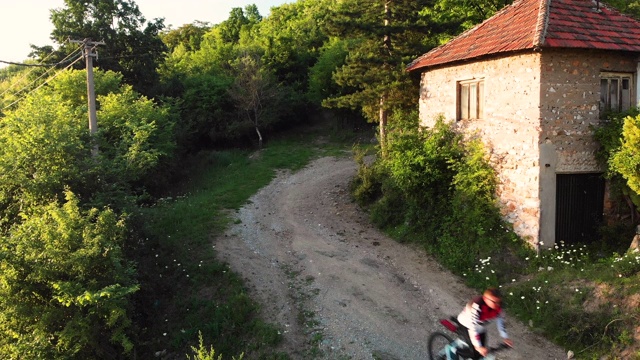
<point>579,300</point>
<point>185,292</point>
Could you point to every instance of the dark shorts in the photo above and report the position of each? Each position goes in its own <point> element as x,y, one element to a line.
<point>464,333</point>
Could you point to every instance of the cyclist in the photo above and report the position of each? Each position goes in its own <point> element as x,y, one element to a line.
<point>480,311</point>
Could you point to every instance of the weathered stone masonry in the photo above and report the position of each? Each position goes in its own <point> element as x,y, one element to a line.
<point>538,110</point>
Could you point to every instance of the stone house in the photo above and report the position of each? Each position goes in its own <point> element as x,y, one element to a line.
<point>531,81</point>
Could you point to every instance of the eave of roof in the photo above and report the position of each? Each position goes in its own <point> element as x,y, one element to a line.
<point>537,24</point>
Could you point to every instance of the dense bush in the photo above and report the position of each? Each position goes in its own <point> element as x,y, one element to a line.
<point>618,139</point>
<point>436,188</point>
<point>65,285</point>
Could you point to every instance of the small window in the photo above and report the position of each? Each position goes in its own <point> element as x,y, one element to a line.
<point>470,99</point>
<point>615,92</point>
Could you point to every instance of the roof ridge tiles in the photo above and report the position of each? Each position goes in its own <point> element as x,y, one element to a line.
<point>542,24</point>
<point>538,24</point>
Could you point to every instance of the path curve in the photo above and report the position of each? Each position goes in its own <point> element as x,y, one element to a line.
<point>312,259</point>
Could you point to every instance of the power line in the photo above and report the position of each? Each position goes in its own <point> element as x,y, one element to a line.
<point>41,64</point>
<point>79,50</point>
<point>33,69</point>
<point>44,83</point>
<point>33,65</point>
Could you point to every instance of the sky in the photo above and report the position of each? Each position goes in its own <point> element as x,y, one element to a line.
<point>25,22</point>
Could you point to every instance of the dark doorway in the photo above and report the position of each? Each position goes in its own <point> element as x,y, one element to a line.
<point>579,207</point>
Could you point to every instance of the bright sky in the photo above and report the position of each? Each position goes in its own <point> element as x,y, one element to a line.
<point>25,22</point>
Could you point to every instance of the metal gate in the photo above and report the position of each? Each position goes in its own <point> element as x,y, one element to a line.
<point>579,207</point>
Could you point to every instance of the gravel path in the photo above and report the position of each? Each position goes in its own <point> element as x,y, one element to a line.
<point>339,288</point>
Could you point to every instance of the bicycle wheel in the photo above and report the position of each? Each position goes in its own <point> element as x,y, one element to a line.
<point>437,343</point>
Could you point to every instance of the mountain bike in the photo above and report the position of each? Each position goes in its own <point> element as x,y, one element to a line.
<point>440,343</point>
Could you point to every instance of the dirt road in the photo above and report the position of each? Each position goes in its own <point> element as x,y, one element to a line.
<point>339,287</point>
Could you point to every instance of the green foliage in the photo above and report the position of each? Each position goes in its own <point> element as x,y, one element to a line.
<point>65,285</point>
<point>45,144</point>
<point>438,189</point>
<point>383,37</point>
<point>188,36</point>
<point>131,44</point>
<point>135,135</point>
<point>332,56</point>
<point>239,21</point>
<point>207,112</point>
<point>202,353</point>
<point>72,85</point>
<point>626,161</point>
<point>42,147</point>
<point>618,137</point>
<point>287,53</point>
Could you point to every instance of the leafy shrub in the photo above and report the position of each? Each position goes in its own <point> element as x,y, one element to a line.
<point>626,161</point>
<point>619,142</point>
<point>439,189</point>
<point>202,353</point>
<point>366,186</point>
<point>65,285</point>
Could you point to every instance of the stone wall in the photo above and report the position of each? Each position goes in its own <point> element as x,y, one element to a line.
<point>569,104</point>
<point>570,89</point>
<point>510,127</point>
<point>537,112</point>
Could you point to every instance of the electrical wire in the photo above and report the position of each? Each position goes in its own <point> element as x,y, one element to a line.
<point>41,64</point>
<point>73,53</point>
<point>33,69</point>
<point>44,83</point>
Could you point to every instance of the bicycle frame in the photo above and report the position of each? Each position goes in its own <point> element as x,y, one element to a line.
<point>462,340</point>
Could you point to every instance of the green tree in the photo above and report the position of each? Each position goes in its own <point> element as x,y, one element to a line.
<point>239,21</point>
<point>65,285</point>
<point>136,140</point>
<point>189,36</point>
<point>45,144</point>
<point>291,37</point>
<point>207,112</point>
<point>255,94</point>
<point>42,147</point>
<point>387,34</point>
<point>321,84</point>
<point>619,160</point>
<point>132,45</point>
<point>626,161</point>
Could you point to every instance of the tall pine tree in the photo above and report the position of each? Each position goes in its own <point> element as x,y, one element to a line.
<point>387,35</point>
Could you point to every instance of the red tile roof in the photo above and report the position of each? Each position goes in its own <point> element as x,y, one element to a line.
<point>535,24</point>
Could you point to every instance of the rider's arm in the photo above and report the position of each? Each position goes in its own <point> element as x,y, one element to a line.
<point>500,324</point>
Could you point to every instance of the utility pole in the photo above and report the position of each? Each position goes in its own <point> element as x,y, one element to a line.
<point>89,54</point>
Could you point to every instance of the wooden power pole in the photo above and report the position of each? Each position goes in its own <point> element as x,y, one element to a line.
<point>89,54</point>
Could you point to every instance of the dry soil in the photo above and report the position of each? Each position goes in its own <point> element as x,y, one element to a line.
<point>340,288</point>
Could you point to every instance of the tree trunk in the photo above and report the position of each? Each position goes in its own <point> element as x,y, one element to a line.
<point>383,112</point>
<point>255,123</point>
<point>635,244</point>
<point>387,19</point>
<point>383,126</point>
